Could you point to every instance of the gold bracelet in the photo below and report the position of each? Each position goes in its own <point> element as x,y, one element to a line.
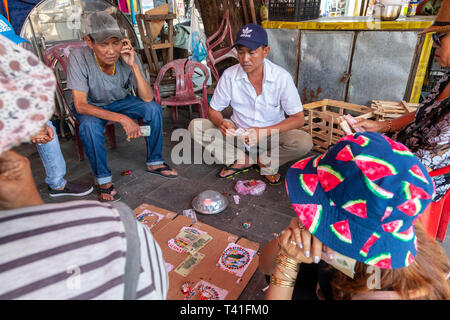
<point>285,274</point>
<point>287,262</point>
<point>390,126</point>
<point>282,283</point>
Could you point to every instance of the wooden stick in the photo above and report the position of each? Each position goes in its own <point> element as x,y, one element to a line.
<point>404,105</point>
<point>244,8</point>
<point>252,10</point>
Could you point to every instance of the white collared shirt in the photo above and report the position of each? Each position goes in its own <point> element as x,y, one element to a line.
<point>279,95</point>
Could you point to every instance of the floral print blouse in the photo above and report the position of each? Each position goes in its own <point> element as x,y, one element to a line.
<point>428,136</point>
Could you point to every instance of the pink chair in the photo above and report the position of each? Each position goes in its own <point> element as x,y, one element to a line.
<point>60,54</point>
<point>437,215</point>
<point>214,57</point>
<point>184,93</point>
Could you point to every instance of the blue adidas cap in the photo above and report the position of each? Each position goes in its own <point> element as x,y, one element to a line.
<point>7,31</point>
<point>251,36</point>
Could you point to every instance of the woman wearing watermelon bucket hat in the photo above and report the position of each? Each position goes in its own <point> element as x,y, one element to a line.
<point>361,201</point>
<point>426,132</point>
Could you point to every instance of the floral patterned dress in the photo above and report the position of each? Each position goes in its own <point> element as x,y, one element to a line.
<point>428,136</point>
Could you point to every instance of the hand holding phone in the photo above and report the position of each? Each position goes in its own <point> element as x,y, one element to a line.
<point>127,52</point>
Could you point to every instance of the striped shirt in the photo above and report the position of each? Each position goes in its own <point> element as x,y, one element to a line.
<point>74,250</point>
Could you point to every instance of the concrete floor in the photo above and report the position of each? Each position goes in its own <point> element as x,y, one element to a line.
<point>268,214</point>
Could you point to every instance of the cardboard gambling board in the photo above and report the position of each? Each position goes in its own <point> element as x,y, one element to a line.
<point>207,262</point>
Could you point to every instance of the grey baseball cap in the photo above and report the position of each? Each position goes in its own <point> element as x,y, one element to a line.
<point>101,26</point>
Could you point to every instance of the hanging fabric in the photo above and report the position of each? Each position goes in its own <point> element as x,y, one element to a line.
<point>197,37</point>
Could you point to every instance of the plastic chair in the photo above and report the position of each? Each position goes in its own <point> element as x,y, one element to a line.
<point>184,93</point>
<point>59,54</point>
<point>436,216</point>
<point>214,57</point>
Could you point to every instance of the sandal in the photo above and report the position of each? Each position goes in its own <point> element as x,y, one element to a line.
<point>159,171</point>
<point>108,191</point>
<point>236,171</point>
<point>275,183</point>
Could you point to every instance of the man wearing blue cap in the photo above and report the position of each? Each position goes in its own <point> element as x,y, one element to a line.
<point>260,93</point>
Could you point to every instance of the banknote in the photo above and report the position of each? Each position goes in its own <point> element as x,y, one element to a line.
<point>193,240</point>
<point>187,236</point>
<point>351,121</point>
<point>200,243</point>
<point>342,263</point>
<point>145,130</point>
<point>189,263</point>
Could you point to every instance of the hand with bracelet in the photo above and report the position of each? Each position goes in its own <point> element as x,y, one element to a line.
<point>293,246</point>
<point>385,126</point>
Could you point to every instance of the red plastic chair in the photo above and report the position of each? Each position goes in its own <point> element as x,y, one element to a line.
<point>60,54</point>
<point>214,57</point>
<point>436,216</point>
<point>184,93</point>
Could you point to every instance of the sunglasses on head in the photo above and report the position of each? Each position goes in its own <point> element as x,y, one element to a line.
<point>437,38</point>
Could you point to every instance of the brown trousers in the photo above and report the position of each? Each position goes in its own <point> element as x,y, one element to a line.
<point>272,153</point>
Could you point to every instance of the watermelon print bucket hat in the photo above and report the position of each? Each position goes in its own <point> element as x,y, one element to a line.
<point>362,197</point>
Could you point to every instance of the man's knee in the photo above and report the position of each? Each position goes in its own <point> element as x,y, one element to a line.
<point>91,126</point>
<point>153,110</point>
<point>305,143</point>
<point>299,142</point>
<point>199,125</point>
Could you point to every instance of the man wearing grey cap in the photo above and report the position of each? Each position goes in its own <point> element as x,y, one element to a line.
<point>100,77</point>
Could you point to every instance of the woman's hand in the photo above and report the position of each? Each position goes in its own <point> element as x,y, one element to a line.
<point>301,245</point>
<point>371,125</point>
<point>296,243</point>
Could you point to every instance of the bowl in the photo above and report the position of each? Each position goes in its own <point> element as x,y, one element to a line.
<point>210,202</point>
<point>387,12</point>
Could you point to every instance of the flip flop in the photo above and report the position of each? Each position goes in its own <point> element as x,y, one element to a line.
<point>108,191</point>
<point>236,172</point>
<point>160,170</point>
<point>276,183</point>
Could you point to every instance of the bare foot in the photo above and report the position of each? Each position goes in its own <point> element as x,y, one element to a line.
<point>168,172</point>
<point>236,165</point>
<point>107,196</point>
<point>274,178</point>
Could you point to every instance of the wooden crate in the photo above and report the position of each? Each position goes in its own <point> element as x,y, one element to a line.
<point>392,109</point>
<point>323,118</point>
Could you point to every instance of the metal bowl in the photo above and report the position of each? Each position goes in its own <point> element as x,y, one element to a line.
<point>387,12</point>
<point>210,202</point>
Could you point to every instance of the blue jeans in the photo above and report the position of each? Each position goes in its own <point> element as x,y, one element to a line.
<point>92,131</point>
<point>53,161</point>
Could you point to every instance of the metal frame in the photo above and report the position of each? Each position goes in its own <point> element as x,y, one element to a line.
<point>357,24</point>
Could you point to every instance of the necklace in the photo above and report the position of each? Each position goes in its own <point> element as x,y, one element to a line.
<point>96,60</point>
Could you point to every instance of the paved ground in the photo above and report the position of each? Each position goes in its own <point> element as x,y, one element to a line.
<point>268,214</point>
